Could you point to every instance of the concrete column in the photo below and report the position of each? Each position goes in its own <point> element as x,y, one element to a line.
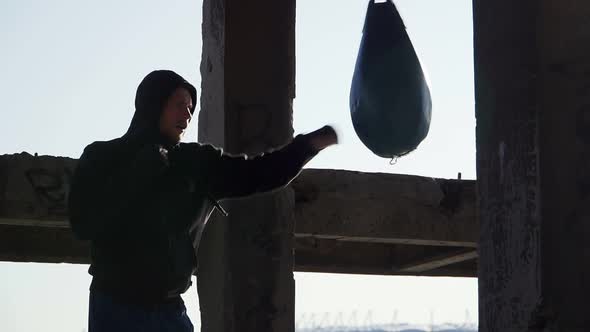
<point>245,277</point>
<point>532,75</point>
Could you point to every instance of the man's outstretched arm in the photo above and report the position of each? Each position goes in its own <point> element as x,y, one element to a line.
<point>231,176</point>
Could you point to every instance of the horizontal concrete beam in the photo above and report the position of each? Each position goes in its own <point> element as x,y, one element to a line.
<point>58,245</point>
<point>33,190</point>
<point>357,214</point>
<point>334,256</point>
<point>42,245</point>
<point>440,260</point>
<point>385,208</point>
<point>330,204</point>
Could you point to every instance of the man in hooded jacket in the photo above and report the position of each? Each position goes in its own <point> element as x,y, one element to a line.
<point>142,200</point>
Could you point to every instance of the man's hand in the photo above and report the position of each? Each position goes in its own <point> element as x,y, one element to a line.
<point>323,138</point>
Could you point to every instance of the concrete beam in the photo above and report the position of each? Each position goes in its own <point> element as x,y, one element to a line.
<point>334,256</point>
<point>58,245</point>
<point>33,189</point>
<point>34,227</point>
<point>329,204</point>
<point>385,208</point>
<point>42,245</point>
<point>440,260</point>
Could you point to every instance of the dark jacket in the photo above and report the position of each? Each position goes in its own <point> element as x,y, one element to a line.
<point>143,203</point>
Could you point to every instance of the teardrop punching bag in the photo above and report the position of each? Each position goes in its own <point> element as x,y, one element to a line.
<point>390,101</point>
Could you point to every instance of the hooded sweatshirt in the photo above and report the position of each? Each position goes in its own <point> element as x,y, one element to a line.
<point>143,202</point>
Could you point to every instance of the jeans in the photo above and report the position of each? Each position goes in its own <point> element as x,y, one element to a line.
<point>107,314</point>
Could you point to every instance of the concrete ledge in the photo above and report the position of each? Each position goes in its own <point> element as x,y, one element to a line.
<point>346,222</point>
<point>385,208</point>
<point>58,245</point>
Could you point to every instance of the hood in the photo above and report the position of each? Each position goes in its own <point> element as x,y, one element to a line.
<point>150,99</point>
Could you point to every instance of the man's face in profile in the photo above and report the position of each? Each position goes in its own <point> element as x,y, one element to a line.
<point>176,115</point>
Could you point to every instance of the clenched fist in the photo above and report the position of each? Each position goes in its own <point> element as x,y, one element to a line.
<point>323,138</point>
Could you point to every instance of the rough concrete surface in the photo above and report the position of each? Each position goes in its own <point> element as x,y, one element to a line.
<point>532,68</point>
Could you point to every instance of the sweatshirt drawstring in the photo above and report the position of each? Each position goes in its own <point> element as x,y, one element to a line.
<point>218,206</point>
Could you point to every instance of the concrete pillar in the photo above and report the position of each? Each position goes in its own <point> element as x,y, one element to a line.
<point>532,76</point>
<point>245,277</point>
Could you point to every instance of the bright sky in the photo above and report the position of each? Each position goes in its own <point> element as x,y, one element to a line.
<point>69,72</point>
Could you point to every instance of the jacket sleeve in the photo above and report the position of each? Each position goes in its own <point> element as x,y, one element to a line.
<point>101,191</point>
<point>232,176</point>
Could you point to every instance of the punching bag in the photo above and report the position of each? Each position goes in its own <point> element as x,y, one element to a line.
<point>390,102</point>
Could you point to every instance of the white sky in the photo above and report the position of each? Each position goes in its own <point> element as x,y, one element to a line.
<point>69,70</point>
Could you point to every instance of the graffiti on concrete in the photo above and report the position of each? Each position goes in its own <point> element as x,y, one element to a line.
<point>51,188</point>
